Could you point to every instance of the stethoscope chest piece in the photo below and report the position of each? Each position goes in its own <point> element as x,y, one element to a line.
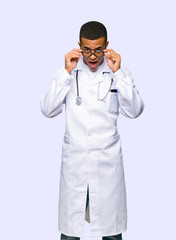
<point>78,100</point>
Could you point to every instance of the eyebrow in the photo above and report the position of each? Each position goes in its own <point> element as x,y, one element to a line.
<point>93,49</point>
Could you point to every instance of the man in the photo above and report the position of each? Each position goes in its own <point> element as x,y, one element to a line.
<point>94,89</point>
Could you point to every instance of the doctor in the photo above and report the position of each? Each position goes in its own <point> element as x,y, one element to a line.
<point>94,90</point>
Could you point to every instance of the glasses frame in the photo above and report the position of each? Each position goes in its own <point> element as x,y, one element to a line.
<point>93,53</point>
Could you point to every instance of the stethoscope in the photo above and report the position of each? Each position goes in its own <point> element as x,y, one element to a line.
<point>79,99</point>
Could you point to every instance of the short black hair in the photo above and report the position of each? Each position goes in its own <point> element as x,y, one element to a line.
<point>93,30</point>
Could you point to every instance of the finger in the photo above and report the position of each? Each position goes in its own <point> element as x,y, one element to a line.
<point>73,55</point>
<point>106,54</point>
<point>111,51</point>
<point>108,50</point>
<point>113,55</point>
<point>76,49</point>
<point>114,59</point>
<point>110,55</point>
<point>76,55</point>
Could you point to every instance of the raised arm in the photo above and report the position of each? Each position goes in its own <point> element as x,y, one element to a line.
<point>131,103</point>
<point>52,101</point>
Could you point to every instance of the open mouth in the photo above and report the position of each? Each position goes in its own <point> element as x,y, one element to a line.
<point>93,64</point>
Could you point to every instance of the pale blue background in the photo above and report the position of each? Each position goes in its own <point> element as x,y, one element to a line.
<point>35,36</point>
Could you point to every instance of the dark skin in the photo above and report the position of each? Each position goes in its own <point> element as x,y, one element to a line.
<point>113,59</point>
<point>97,44</point>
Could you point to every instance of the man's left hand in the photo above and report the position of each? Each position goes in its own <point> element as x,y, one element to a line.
<point>113,59</point>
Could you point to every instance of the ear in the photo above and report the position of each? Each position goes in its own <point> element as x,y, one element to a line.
<point>79,44</point>
<point>107,44</point>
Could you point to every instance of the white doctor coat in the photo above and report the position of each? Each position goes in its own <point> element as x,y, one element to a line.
<point>91,150</point>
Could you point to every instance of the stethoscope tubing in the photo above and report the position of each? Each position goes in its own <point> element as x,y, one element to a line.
<point>78,98</point>
<point>77,83</point>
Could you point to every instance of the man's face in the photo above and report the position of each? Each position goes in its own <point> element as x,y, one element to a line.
<point>93,45</point>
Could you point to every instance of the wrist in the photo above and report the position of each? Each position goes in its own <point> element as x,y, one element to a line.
<point>115,70</point>
<point>68,70</point>
<point>119,73</point>
<point>117,67</point>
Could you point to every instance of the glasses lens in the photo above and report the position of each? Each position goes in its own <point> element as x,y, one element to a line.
<point>99,53</point>
<point>86,54</point>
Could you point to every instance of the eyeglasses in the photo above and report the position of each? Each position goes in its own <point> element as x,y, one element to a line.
<point>88,53</point>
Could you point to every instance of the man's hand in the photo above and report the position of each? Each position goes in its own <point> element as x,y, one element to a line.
<point>113,59</point>
<point>71,59</point>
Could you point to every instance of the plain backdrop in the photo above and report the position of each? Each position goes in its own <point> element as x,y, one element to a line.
<point>35,36</point>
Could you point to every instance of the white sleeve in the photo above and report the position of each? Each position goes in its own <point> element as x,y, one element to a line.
<point>51,102</point>
<point>131,103</point>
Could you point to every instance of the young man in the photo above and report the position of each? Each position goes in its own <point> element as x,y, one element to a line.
<point>94,89</point>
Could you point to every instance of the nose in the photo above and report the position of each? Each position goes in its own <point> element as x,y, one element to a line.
<point>92,57</point>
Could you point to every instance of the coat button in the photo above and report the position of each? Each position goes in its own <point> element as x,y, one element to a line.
<point>89,133</point>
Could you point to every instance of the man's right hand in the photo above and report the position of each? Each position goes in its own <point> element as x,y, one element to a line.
<point>71,59</point>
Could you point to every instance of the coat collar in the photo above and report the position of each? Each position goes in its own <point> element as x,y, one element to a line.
<point>104,73</point>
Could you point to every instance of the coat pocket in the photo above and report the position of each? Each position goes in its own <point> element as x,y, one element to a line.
<point>66,148</point>
<point>112,102</point>
<point>113,151</point>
